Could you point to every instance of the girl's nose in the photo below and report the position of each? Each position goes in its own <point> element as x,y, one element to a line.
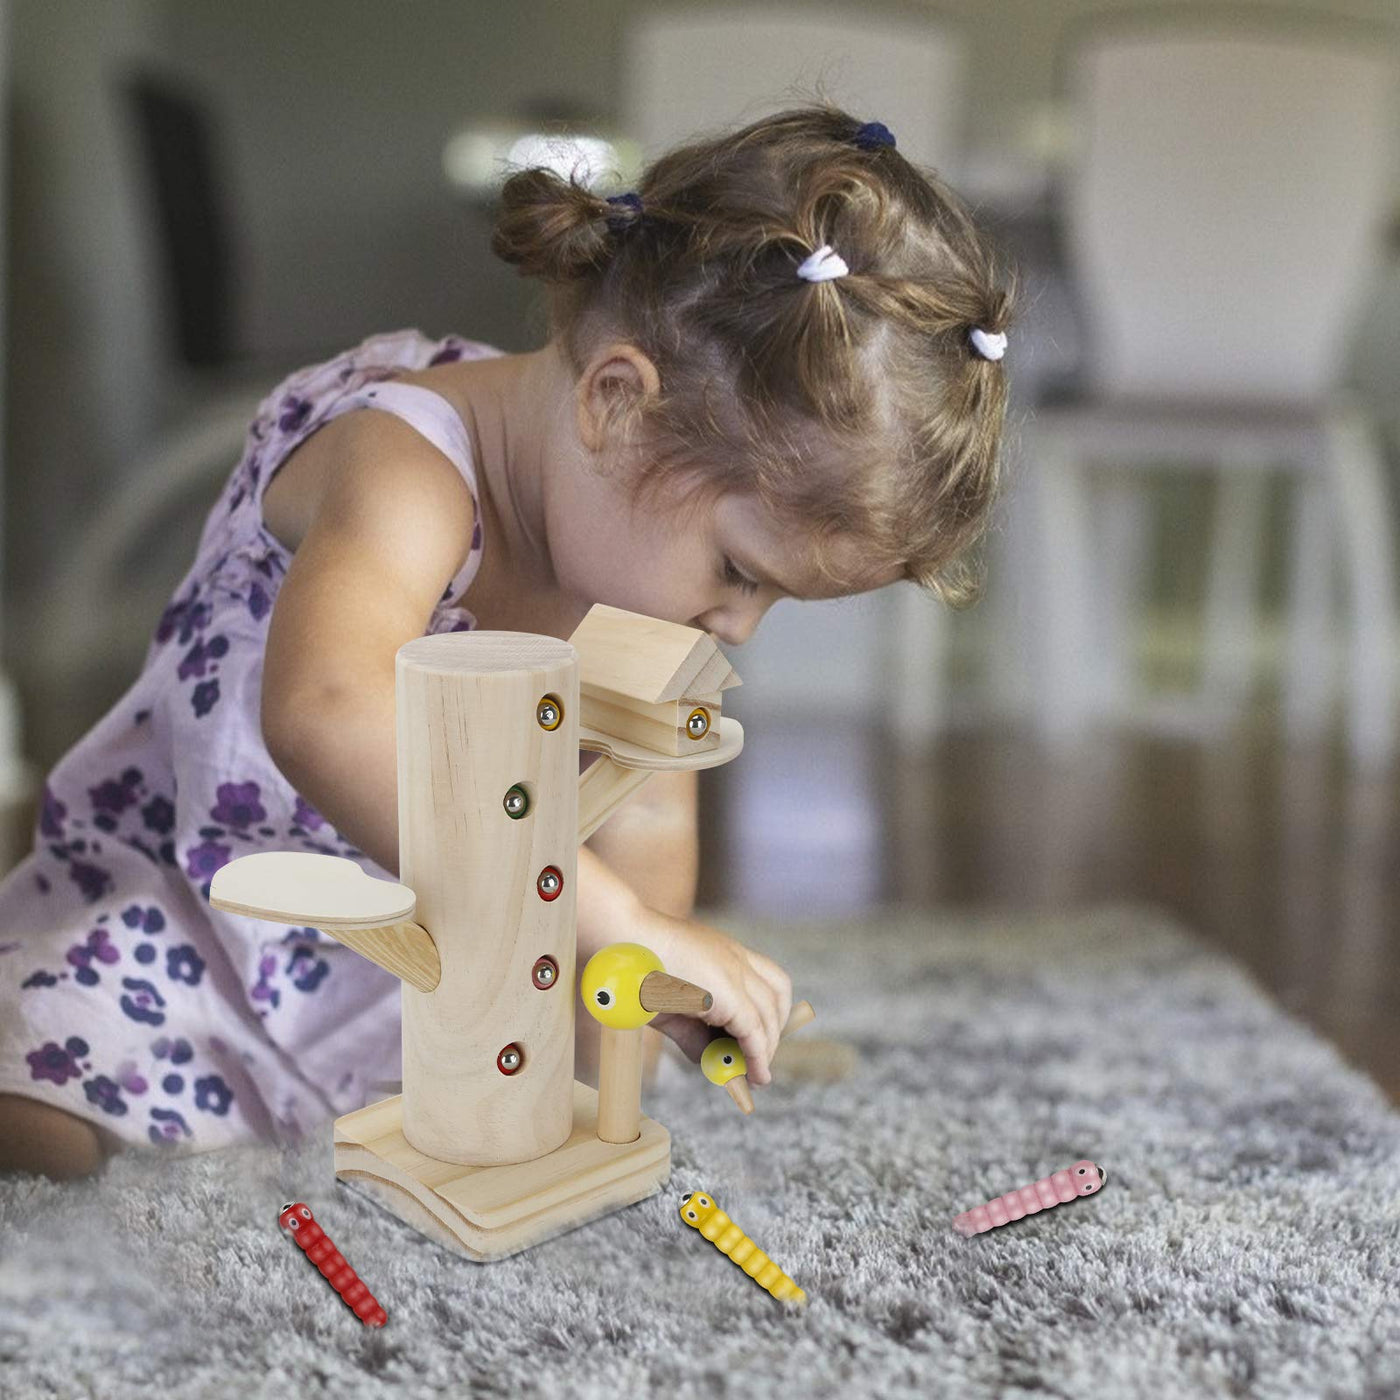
<point>742,625</point>
<point>737,635</point>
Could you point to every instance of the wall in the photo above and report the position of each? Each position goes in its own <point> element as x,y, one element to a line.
<point>82,369</point>
<point>338,112</point>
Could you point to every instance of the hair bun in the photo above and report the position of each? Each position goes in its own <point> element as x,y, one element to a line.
<point>549,227</point>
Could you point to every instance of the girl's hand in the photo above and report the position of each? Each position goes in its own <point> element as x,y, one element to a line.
<point>752,994</point>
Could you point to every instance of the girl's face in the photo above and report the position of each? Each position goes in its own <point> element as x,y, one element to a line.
<point>718,568</point>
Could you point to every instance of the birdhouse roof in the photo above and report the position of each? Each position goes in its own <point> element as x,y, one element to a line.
<point>647,658</point>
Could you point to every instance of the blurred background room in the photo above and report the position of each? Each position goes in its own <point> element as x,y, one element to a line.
<point>1178,687</point>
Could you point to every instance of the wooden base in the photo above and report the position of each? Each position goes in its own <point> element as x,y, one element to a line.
<point>490,1213</point>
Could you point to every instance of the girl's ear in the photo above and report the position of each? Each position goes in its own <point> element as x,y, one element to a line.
<point>618,378</point>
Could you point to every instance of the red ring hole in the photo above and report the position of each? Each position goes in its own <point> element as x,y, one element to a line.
<point>550,981</point>
<point>519,1062</point>
<point>558,889</point>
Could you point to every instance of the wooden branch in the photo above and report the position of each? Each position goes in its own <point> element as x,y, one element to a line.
<point>406,949</point>
<point>602,788</point>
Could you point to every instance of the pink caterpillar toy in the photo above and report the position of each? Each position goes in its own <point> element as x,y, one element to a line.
<point>1082,1179</point>
<point>321,1250</point>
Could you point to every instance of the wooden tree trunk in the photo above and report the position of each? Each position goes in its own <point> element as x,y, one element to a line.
<point>466,719</point>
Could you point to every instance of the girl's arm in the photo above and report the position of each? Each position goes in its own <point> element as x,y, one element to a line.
<point>653,842</point>
<point>350,775</point>
<point>393,521</point>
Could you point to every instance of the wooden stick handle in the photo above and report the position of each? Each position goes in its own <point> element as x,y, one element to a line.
<point>662,992</point>
<point>619,1084</point>
<point>798,1017</point>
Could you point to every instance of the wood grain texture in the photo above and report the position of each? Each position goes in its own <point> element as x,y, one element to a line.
<point>619,1084</point>
<point>467,732</point>
<point>488,1213</point>
<point>633,755</point>
<point>648,659</point>
<point>309,887</point>
<point>334,896</point>
<point>405,949</point>
<point>602,788</point>
<point>662,992</point>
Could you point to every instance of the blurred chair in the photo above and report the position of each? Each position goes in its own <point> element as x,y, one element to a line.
<point>136,548</point>
<point>1220,214</point>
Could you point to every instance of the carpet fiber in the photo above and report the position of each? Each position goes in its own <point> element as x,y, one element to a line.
<point>1247,1241</point>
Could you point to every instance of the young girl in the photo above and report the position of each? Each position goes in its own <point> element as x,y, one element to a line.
<point>772,372</point>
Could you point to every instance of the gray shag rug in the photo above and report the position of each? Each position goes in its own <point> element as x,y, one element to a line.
<point>1247,1241</point>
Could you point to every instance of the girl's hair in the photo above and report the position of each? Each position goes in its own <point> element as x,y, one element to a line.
<point>854,406</point>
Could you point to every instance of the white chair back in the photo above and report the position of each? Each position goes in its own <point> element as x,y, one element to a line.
<point>691,70</point>
<point>1223,207</point>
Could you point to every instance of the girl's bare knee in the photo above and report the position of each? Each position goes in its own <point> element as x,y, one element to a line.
<point>37,1137</point>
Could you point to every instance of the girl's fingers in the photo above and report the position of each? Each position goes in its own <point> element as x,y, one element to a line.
<point>766,999</point>
<point>781,984</point>
<point>766,987</point>
<point>748,1029</point>
<point>763,999</point>
<point>758,1016</point>
<point>690,1034</point>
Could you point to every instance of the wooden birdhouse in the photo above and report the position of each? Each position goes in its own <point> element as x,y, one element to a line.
<point>493,1145</point>
<point>653,683</point>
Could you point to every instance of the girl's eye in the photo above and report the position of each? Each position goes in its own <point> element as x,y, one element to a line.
<point>733,576</point>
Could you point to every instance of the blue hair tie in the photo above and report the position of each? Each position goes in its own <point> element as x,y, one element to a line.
<point>873,134</point>
<point>617,223</point>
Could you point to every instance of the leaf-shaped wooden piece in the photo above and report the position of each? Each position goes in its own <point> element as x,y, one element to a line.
<point>332,894</point>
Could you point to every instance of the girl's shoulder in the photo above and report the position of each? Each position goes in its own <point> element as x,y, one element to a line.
<point>313,395</point>
<point>290,414</point>
<point>376,357</point>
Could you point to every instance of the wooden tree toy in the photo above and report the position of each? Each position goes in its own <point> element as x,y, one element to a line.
<point>493,1145</point>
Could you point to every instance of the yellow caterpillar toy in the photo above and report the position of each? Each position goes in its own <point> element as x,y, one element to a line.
<point>701,1213</point>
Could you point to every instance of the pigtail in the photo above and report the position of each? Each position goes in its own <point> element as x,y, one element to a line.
<point>554,228</point>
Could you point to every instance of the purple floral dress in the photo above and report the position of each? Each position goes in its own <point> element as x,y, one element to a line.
<point>126,998</point>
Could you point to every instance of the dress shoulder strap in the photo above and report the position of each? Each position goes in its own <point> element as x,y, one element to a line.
<point>427,411</point>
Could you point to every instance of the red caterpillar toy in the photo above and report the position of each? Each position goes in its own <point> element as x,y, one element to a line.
<point>321,1250</point>
<point>1082,1179</point>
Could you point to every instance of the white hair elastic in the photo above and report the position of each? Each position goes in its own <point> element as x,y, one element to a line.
<point>990,347</point>
<point>823,265</point>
